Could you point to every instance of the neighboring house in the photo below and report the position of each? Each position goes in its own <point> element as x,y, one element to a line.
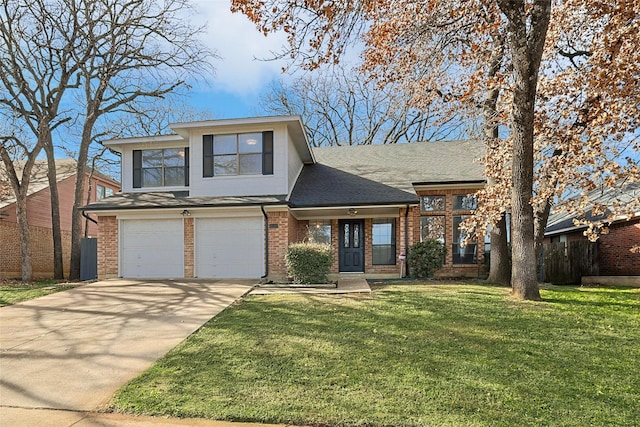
<point>39,216</point>
<point>616,254</point>
<point>225,198</point>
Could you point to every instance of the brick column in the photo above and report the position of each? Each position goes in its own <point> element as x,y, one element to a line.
<point>107,247</point>
<point>278,223</point>
<point>188,247</point>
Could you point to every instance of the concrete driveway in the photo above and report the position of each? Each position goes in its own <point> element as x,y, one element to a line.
<point>72,350</point>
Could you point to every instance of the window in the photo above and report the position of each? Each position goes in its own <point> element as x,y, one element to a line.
<point>467,202</point>
<point>432,203</point>
<point>167,167</point>
<point>462,254</point>
<point>384,241</point>
<point>432,228</point>
<point>102,192</point>
<point>319,232</point>
<point>237,154</point>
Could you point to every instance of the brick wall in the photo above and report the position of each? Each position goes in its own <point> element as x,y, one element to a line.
<point>41,251</point>
<point>189,247</point>
<point>107,247</point>
<point>278,223</point>
<point>616,259</point>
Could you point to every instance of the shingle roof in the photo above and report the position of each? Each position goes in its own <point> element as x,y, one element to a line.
<point>177,199</point>
<point>384,174</point>
<point>563,221</point>
<point>39,181</point>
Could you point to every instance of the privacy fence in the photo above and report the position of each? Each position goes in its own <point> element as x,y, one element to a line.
<point>566,263</point>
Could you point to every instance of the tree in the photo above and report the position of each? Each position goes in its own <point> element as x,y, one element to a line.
<point>106,56</point>
<point>569,118</point>
<point>36,68</point>
<point>136,51</point>
<point>340,108</point>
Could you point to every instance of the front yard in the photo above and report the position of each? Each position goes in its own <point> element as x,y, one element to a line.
<point>14,291</point>
<point>408,355</point>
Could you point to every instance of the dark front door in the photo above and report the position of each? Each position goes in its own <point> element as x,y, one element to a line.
<point>351,243</point>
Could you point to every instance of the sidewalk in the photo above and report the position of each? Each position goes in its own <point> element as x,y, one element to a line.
<point>345,286</point>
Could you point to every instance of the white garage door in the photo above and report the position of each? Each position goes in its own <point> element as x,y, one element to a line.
<point>152,248</point>
<point>229,247</point>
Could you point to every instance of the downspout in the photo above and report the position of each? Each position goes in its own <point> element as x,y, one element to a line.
<point>406,238</point>
<point>266,243</point>
<point>88,217</point>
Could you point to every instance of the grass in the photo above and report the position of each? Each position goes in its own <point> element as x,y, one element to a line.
<point>12,292</point>
<point>409,355</point>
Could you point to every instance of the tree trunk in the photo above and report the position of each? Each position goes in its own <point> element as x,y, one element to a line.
<point>541,219</point>
<point>79,192</point>
<point>527,36</point>
<point>499,268</point>
<point>58,271</point>
<point>25,237</point>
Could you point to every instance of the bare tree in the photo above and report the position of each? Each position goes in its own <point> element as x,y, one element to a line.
<point>341,108</point>
<point>137,51</point>
<point>36,68</point>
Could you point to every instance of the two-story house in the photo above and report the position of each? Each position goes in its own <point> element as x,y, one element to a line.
<point>224,199</point>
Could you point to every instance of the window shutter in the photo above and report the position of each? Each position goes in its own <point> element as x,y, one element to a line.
<point>137,168</point>
<point>267,153</point>
<point>207,156</point>
<point>186,166</point>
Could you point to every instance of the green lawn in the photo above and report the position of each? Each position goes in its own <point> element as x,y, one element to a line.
<point>408,355</point>
<point>12,292</point>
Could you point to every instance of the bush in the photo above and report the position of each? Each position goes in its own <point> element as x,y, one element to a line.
<point>309,262</point>
<point>425,257</point>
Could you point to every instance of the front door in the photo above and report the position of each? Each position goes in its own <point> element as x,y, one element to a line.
<point>351,241</point>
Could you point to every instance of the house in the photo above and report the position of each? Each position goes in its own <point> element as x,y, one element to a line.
<point>225,198</point>
<point>618,253</point>
<point>39,216</point>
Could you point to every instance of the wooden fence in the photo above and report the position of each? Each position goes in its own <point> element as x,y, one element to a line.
<point>566,263</point>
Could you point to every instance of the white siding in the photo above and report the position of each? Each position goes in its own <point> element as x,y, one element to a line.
<point>253,185</point>
<point>294,165</point>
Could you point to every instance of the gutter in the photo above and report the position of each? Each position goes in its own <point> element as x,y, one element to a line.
<point>266,243</point>
<point>406,236</point>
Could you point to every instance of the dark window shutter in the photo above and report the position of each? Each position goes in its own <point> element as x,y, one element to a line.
<point>207,155</point>
<point>267,153</point>
<point>137,168</point>
<point>186,166</point>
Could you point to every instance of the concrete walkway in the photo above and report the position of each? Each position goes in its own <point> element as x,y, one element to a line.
<point>345,286</point>
<point>70,351</point>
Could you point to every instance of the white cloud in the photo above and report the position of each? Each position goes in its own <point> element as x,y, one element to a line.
<point>238,43</point>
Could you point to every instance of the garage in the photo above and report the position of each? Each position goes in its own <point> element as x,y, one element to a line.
<point>151,248</point>
<point>229,247</point>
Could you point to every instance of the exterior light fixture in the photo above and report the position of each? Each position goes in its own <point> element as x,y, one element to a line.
<point>352,212</point>
<point>186,213</point>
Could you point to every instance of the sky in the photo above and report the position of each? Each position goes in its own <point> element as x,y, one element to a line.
<point>240,77</point>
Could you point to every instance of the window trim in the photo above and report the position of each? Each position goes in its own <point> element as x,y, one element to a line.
<point>138,169</point>
<point>393,245</point>
<point>209,156</point>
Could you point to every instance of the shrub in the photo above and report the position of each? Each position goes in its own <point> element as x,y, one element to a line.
<point>425,257</point>
<point>309,262</point>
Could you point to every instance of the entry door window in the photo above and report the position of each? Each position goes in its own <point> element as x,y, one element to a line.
<point>351,246</point>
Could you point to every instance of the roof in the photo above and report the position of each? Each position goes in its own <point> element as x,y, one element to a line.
<point>65,168</point>
<point>384,174</point>
<point>560,222</point>
<point>178,199</point>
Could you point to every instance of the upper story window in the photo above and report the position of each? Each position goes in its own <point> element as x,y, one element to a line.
<point>467,202</point>
<point>102,191</point>
<point>237,154</point>
<point>432,203</point>
<point>167,167</point>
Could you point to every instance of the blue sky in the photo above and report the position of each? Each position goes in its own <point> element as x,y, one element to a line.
<point>240,77</point>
